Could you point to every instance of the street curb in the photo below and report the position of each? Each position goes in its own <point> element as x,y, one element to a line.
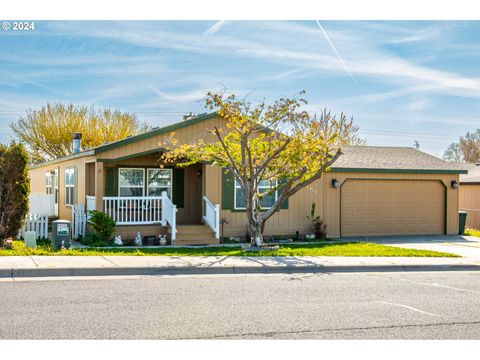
<point>202,270</point>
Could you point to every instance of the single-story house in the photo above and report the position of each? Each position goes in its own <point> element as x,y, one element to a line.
<point>369,191</point>
<point>470,195</point>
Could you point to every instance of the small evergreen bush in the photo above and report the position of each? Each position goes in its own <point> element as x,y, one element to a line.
<point>103,228</point>
<point>14,189</point>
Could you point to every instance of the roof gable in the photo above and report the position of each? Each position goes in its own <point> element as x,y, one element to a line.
<point>131,139</point>
<point>392,159</point>
<point>154,132</point>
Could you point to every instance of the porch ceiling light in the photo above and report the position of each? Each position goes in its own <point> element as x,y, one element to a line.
<point>454,184</point>
<point>335,183</point>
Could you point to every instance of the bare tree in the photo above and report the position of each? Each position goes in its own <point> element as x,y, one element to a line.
<point>467,149</point>
<point>47,132</point>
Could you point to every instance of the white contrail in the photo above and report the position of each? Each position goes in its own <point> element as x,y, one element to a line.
<point>336,52</point>
<point>215,27</point>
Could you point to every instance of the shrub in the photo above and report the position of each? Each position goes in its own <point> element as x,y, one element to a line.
<point>92,239</point>
<point>318,226</point>
<point>320,229</point>
<point>102,225</point>
<point>14,189</point>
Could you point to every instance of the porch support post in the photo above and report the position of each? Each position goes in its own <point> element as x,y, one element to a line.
<point>99,185</point>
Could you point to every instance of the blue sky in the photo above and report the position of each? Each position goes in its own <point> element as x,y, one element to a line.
<point>401,81</point>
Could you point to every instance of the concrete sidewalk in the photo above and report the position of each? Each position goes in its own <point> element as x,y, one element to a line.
<point>45,266</point>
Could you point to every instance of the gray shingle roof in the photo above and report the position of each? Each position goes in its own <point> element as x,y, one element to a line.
<point>392,158</point>
<point>473,175</point>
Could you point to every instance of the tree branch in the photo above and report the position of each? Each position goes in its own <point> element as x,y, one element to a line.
<point>288,193</point>
<point>225,148</point>
<point>272,156</point>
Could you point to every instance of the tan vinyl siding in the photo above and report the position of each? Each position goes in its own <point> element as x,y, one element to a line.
<point>184,135</point>
<point>470,202</point>
<point>145,153</point>
<point>284,222</point>
<point>288,221</point>
<point>37,176</point>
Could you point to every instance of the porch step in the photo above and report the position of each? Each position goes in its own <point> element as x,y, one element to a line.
<point>195,235</point>
<point>194,229</point>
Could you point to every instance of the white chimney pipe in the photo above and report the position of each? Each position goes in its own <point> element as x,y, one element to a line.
<point>76,142</point>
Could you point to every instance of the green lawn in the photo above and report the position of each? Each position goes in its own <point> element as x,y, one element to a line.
<point>472,232</point>
<point>335,249</point>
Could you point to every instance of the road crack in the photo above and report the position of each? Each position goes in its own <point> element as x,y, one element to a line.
<point>273,333</point>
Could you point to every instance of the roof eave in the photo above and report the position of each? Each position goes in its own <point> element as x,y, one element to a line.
<point>160,131</point>
<point>122,142</point>
<point>63,158</point>
<point>398,171</point>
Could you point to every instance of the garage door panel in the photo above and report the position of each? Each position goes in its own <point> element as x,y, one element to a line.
<point>392,207</point>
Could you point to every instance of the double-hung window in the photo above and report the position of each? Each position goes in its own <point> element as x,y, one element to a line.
<point>159,180</point>
<point>48,183</point>
<point>266,202</point>
<point>131,181</point>
<point>69,186</point>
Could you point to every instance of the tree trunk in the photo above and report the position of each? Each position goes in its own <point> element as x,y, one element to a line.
<point>255,222</point>
<point>255,229</point>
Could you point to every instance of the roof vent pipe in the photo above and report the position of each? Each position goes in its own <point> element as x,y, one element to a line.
<point>76,142</point>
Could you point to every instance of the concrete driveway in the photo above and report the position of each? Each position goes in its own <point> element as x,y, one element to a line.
<point>466,246</point>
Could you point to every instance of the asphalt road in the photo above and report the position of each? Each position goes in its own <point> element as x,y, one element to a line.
<point>440,305</point>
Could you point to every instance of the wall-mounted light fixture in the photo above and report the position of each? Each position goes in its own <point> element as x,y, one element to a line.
<point>454,184</point>
<point>335,183</point>
<point>199,172</point>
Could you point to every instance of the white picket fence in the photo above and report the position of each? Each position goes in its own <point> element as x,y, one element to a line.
<point>79,221</point>
<point>37,223</point>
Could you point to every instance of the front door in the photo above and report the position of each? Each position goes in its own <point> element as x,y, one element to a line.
<point>193,195</point>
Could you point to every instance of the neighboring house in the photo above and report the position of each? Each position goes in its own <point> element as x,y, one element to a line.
<point>370,190</point>
<point>470,195</point>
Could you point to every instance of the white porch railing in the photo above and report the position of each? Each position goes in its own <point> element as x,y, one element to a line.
<point>169,214</point>
<point>133,210</point>
<point>142,210</point>
<point>212,216</point>
<point>91,203</point>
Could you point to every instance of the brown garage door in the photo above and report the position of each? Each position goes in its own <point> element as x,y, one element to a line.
<point>392,207</point>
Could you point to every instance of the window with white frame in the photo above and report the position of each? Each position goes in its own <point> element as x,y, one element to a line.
<point>69,186</point>
<point>131,181</point>
<point>48,183</point>
<point>159,180</point>
<point>264,186</point>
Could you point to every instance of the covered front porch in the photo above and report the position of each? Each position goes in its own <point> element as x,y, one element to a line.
<point>139,195</point>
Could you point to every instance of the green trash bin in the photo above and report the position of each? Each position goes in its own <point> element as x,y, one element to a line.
<point>61,234</point>
<point>462,220</point>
